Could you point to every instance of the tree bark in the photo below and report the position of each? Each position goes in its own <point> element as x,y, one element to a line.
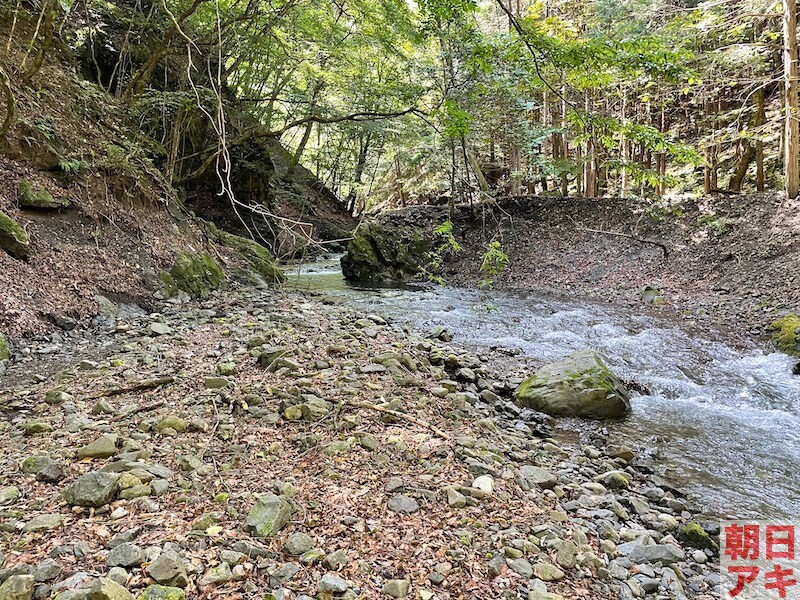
<point>792,144</point>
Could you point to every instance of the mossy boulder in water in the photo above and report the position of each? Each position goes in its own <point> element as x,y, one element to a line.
<point>580,385</point>
<point>35,196</point>
<point>256,256</point>
<point>196,274</point>
<point>4,354</point>
<point>376,254</point>
<point>786,334</point>
<point>13,238</point>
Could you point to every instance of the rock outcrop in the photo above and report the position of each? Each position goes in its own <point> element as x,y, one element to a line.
<point>13,238</point>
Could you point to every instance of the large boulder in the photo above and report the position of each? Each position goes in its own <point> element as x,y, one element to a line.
<point>197,274</point>
<point>256,256</point>
<point>378,254</point>
<point>94,489</point>
<point>17,587</point>
<point>786,334</point>
<point>13,238</point>
<point>30,195</point>
<point>580,385</point>
<point>268,516</point>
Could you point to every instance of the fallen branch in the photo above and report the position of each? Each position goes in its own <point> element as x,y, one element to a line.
<point>144,408</point>
<point>145,384</point>
<point>399,415</point>
<point>630,237</point>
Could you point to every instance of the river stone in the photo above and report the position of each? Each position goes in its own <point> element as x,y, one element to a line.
<point>168,569</point>
<point>102,447</point>
<point>520,566</point>
<point>537,476</point>
<point>13,238</point>
<point>126,555</point>
<point>547,572</point>
<point>666,554</point>
<point>580,385</point>
<point>44,522</point>
<point>332,584</point>
<point>108,589</point>
<point>692,534</point>
<point>268,516</point>
<point>537,595</point>
<point>455,499</point>
<point>567,554</point>
<point>47,570</point>
<point>9,495</point>
<point>160,329</point>
<point>397,588</point>
<point>484,483</point>
<point>17,587</point>
<point>403,504</point>
<point>33,195</point>
<point>161,592</point>
<point>298,543</point>
<point>34,464</point>
<point>94,489</point>
<point>219,574</point>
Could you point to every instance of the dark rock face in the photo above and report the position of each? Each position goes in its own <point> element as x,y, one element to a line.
<point>377,253</point>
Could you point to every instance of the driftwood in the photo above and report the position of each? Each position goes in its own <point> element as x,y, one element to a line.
<point>144,408</point>
<point>399,415</point>
<point>629,236</point>
<point>145,384</point>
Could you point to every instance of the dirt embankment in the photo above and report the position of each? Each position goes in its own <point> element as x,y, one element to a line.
<point>105,220</point>
<point>729,261</point>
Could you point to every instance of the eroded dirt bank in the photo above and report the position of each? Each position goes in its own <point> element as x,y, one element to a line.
<point>266,444</point>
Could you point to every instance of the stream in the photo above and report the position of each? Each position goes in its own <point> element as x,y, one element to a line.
<point>722,423</point>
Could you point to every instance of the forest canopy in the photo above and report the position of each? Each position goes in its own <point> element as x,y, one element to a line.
<point>390,102</point>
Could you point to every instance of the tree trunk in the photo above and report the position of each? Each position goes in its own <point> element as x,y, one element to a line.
<point>790,155</point>
<point>361,163</point>
<point>298,155</point>
<point>564,143</point>
<point>760,120</point>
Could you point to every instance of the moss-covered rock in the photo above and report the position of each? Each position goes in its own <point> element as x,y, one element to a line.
<point>161,592</point>
<point>695,536</point>
<point>580,385</point>
<point>30,195</point>
<point>13,238</point>
<point>256,256</point>
<point>196,274</point>
<point>786,334</point>
<point>4,354</point>
<point>376,254</point>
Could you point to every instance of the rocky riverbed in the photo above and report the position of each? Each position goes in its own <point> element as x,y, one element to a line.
<point>279,445</point>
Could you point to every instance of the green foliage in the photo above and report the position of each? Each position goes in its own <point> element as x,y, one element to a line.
<point>717,224</point>
<point>662,210</point>
<point>494,262</point>
<point>71,166</point>
<point>444,244</point>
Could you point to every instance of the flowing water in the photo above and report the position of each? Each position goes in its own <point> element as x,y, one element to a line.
<point>723,422</point>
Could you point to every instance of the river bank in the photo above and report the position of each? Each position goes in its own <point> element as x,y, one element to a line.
<point>396,461</point>
<point>727,267</point>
